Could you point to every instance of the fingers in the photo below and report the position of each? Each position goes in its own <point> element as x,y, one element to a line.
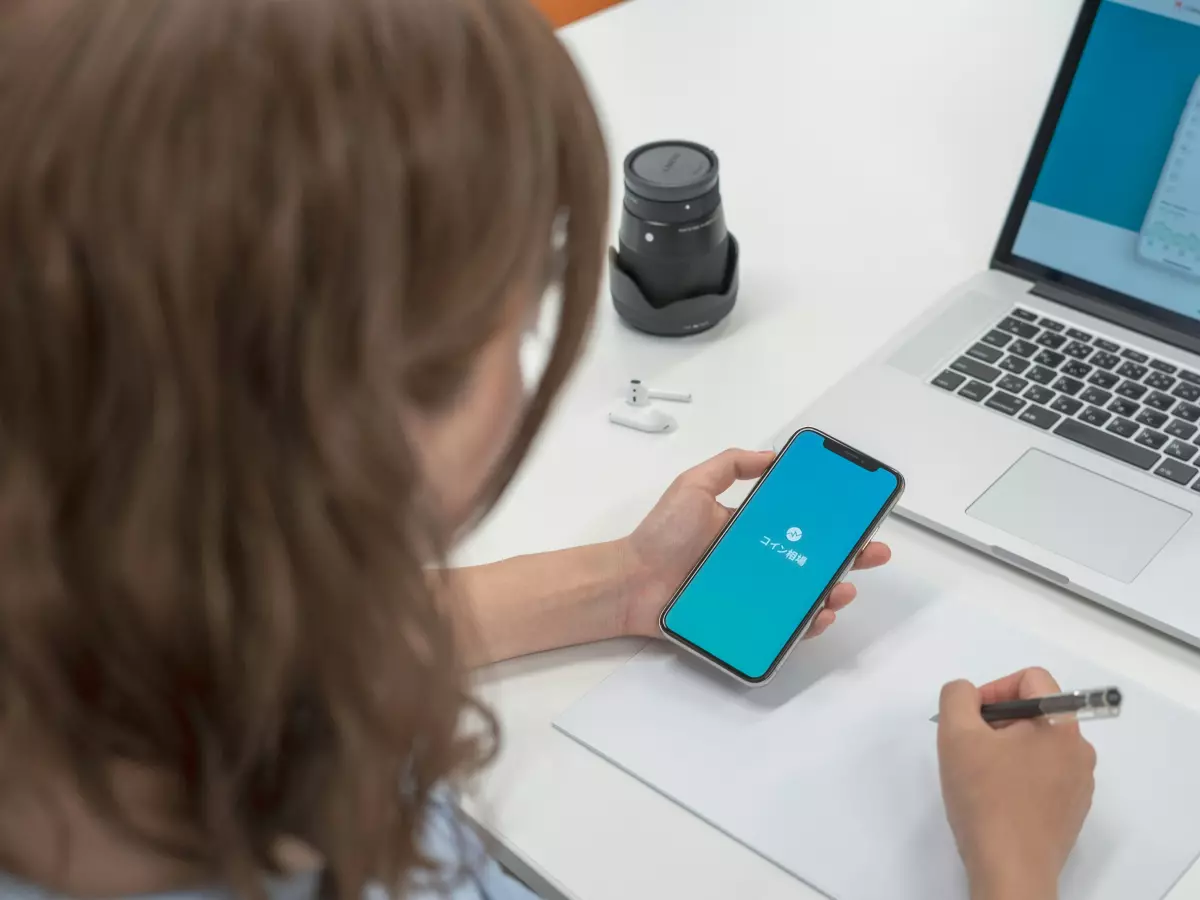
<point>873,555</point>
<point>1089,755</point>
<point>824,619</point>
<point>1023,685</point>
<point>1037,682</point>
<point>841,596</point>
<point>959,708</point>
<point>717,475</point>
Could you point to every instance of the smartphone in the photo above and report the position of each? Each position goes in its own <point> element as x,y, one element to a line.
<point>761,583</point>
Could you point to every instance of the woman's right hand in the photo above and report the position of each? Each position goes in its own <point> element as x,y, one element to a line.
<point>1016,796</point>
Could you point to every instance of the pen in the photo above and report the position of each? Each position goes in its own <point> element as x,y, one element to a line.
<point>1072,706</point>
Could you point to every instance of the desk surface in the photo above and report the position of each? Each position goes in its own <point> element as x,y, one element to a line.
<point>869,151</point>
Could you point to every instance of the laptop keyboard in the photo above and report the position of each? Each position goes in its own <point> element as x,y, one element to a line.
<point>1109,397</point>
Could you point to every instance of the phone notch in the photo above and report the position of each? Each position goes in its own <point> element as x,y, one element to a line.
<point>849,453</point>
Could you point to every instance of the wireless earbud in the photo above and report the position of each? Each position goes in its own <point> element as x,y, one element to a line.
<point>636,412</point>
<point>637,394</point>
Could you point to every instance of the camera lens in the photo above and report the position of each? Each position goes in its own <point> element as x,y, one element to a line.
<point>673,241</point>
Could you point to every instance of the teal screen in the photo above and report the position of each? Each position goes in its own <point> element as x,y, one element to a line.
<point>779,555</point>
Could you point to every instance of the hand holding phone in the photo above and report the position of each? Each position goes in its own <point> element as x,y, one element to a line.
<point>766,577</point>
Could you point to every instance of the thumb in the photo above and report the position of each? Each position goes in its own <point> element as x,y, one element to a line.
<point>959,707</point>
<point>717,475</point>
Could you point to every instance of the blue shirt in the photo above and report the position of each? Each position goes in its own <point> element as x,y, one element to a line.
<point>448,840</point>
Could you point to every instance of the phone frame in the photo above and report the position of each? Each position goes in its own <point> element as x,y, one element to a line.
<point>834,446</point>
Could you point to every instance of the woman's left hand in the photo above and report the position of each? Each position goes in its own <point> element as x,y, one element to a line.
<point>663,549</point>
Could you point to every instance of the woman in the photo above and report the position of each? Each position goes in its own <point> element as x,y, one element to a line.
<point>266,269</point>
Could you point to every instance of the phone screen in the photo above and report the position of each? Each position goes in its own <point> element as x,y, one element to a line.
<point>788,544</point>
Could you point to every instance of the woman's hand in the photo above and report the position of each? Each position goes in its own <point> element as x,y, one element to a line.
<point>1016,797</point>
<point>674,535</point>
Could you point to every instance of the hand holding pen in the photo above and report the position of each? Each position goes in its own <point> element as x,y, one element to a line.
<point>1069,706</point>
<point>1016,796</point>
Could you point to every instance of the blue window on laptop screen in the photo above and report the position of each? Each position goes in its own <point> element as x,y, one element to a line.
<point>1117,201</point>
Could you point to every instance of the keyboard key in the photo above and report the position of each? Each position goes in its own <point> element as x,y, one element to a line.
<point>1068,385</point>
<point>1152,418</point>
<point>1180,429</point>
<point>1078,335</point>
<point>985,353</point>
<point>1160,381</point>
<point>1187,412</point>
<point>1096,417</point>
<point>1105,360</point>
<point>1013,384</point>
<point>1188,392</point>
<point>975,369</point>
<point>1014,364</point>
<point>1106,346</point>
<point>1095,396</point>
<point>1039,416</point>
<point>975,390</point>
<point>1124,428</point>
<point>1066,405</point>
<point>1051,340</point>
<point>1132,390</point>
<point>1134,355</point>
<point>1077,350</point>
<point>1163,366</point>
<point>1005,403</point>
<point>949,381</point>
<point>1190,376</point>
<point>1023,348</point>
<point>1176,472</point>
<point>1025,314</point>
<point>1107,444</point>
<point>1041,375</point>
<point>997,338</point>
<point>1152,439</point>
<point>1051,325</point>
<point>1180,450</point>
<point>1159,401</point>
<point>1076,369</point>
<point>1106,380</point>
<point>1018,327</point>
<point>1049,358</point>
<point>1039,394</point>
<point>1128,370</point>
<point>1123,407</point>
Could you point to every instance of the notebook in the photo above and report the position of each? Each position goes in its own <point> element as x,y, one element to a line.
<point>830,771</point>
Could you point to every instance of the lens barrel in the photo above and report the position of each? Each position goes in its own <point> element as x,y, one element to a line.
<point>673,242</point>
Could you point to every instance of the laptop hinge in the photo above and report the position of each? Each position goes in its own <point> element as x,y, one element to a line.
<point>1066,296</point>
<point>1111,312</point>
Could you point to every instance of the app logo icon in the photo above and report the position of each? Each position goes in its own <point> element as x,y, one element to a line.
<point>794,534</point>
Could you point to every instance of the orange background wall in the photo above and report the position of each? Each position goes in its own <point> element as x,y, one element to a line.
<point>560,12</point>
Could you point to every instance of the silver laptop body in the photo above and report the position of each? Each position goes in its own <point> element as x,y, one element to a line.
<point>1047,412</point>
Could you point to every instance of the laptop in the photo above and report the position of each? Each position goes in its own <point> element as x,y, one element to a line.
<point>1047,412</point>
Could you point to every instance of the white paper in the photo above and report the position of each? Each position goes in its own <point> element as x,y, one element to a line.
<point>830,771</point>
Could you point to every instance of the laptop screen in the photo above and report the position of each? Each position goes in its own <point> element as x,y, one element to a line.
<point>1116,202</point>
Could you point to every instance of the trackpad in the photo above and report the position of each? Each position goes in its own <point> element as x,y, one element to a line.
<point>1080,515</point>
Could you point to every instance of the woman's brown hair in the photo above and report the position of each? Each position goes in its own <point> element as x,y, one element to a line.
<point>236,237</point>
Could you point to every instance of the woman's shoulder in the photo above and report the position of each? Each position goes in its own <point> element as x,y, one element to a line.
<point>465,872</point>
<point>485,883</point>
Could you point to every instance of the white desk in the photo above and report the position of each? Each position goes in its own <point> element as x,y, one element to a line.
<point>869,150</point>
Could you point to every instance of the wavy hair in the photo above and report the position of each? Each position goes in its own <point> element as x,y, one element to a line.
<point>235,237</point>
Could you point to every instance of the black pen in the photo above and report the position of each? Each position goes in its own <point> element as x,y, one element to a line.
<point>1072,706</point>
